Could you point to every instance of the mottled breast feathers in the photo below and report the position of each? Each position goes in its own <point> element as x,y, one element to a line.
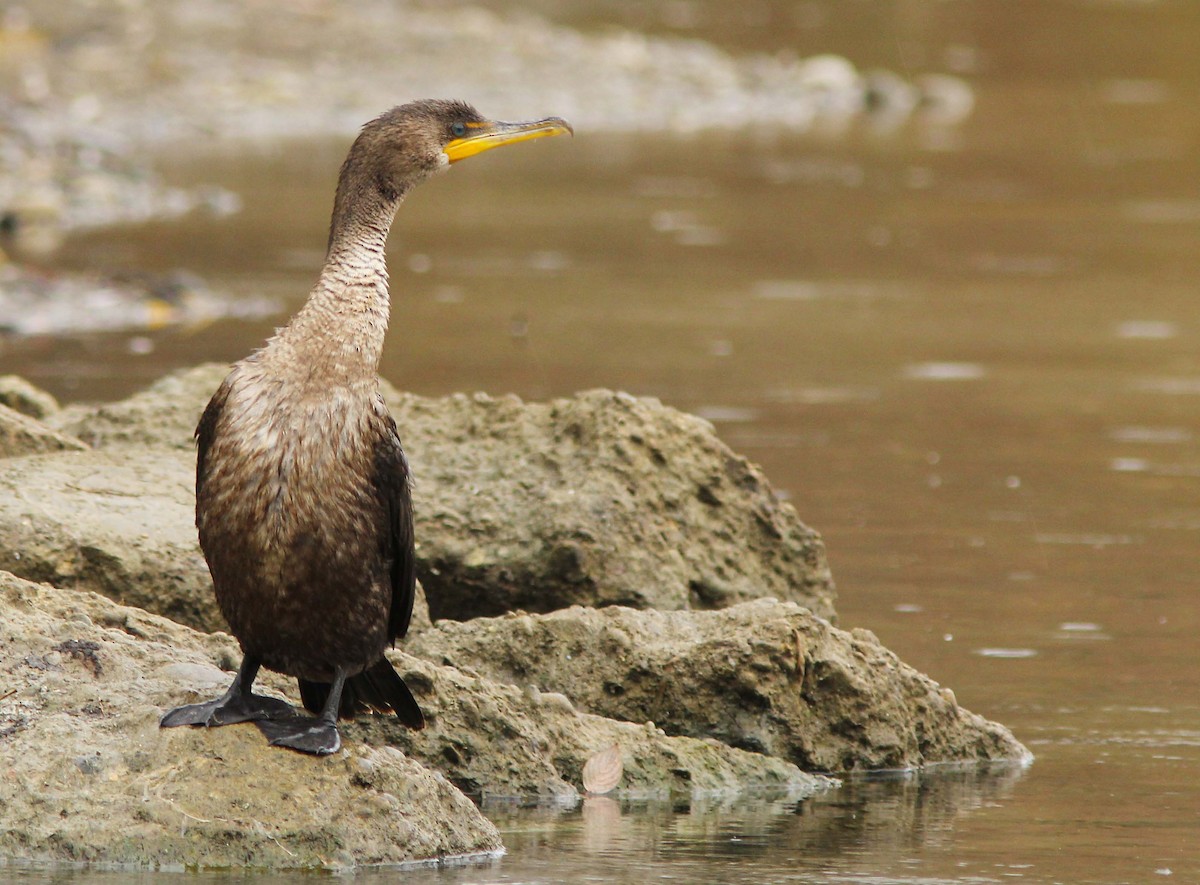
<point>341,471</point>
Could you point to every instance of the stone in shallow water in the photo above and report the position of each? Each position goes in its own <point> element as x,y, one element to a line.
<point>766,676</point>
<point>87,681</point>
<point>599,499</point>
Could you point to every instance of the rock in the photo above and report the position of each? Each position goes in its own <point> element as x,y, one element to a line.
<point>600,499</point>
<point>164,415</point>
<point>87,775</point>
<point>22,435</point>
<point>765,676</point>
<point>117,523</point>
<point>37,302</point>
<point>110,522</point>
<point>420,614</point>
<point>502,741</point>
<point>24,397</point>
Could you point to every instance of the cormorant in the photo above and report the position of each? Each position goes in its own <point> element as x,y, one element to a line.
<point>302,489</point>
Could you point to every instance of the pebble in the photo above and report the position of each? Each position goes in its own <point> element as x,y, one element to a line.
<point>556,701</point>
<point>90,764</point>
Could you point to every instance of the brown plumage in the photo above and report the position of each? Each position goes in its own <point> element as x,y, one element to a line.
<point>302,488</point>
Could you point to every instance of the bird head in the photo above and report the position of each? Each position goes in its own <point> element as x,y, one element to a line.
<point>413,141</point>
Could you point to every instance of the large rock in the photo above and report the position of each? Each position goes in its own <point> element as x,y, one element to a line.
<point>119,522</point>
<point>502,741</point>
<point>600,499</point>
<point>86,774</point>
<point>766,676</point>
<point>164,415</point>
<point>105,521</point>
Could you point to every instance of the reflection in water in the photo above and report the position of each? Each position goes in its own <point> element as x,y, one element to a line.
<point>743,841</point>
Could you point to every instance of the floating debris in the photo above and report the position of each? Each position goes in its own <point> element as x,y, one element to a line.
<point>1154,435</point>
<point>1097,541</point>
<point>822,396</point>
<point>1075,630</point>
<point>1170,385</point>
<point>1129,465</point>
<point>1163,211</point>
<point>718,414</point>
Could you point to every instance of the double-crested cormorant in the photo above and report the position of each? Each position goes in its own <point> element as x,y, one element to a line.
<point>302,489</point>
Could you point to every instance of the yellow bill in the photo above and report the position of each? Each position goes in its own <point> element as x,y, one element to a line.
<point>488,134</point>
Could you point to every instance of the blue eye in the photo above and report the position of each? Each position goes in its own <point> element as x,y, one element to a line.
<point>458,130</point>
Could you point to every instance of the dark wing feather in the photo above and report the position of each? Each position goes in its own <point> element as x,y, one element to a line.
<point>397,541</point>
<point>206,430</point>
<point>379,689</point>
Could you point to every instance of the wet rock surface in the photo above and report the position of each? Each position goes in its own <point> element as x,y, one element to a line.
<point>765,675</point>
<point>500,741</point>
<point>119,525</point>
<point>86,774</point>
<point>164,415</point>
<point>599,499</point>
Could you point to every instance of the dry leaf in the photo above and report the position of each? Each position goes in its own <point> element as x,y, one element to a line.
<point>603,771</point>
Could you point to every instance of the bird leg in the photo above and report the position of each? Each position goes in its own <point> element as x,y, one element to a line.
<point>317,735</point>
<point>238,704</point>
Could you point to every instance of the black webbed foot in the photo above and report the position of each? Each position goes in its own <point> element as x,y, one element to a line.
<point>227,710</point>
<point>238,704</point>
<point>318,736</point>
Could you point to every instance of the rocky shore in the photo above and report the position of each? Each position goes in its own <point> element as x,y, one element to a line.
<point>93,90</point>
<point>602,572</point>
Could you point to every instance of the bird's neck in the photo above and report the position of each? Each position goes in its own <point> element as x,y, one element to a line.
<point>340,330</point>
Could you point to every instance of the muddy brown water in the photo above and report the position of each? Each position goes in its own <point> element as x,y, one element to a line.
<point>971,357</point>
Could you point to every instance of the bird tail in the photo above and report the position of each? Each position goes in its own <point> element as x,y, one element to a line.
<point>378,688</point>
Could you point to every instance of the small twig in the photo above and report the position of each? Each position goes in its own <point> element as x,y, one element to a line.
<point>258,826</point>
<point>199,820</point>
<point>8,694</point>
<point>262,831</point>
